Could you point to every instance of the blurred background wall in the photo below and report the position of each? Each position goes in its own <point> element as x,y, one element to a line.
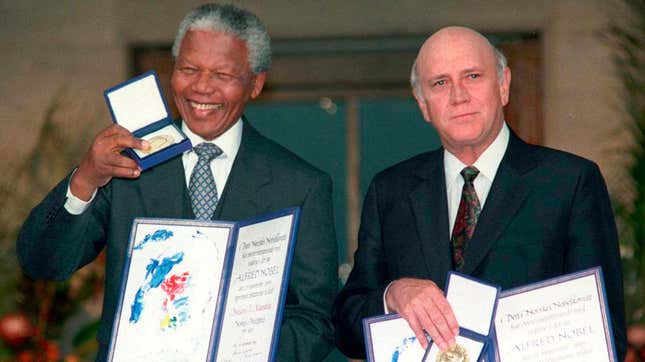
<point>82,47</point>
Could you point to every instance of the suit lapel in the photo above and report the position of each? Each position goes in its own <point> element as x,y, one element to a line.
<point>504,200</point>
<point>429,205</point>
<point>250,172</point>
<point>158,187</point>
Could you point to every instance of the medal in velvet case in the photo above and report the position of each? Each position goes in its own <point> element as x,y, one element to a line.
<point>139,106</point>
<point>474,303</point>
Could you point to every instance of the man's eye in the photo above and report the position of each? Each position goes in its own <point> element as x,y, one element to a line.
<point>224,76</point>
<point>474,76</point>
<point>439,82</point>
<point>188,70</point>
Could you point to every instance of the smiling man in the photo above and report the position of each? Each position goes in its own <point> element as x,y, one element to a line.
<point>221,55</point>
<point>486,204</point>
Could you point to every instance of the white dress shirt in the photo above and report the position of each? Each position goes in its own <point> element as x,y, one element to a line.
<point>229,142</point>
<point>487,164</point>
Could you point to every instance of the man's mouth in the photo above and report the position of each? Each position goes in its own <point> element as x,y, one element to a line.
<point>205,106</point>
<point>463,115</point>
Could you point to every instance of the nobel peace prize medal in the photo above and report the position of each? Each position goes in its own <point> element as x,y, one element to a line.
<point>159,142</point>
<point>454,354</point>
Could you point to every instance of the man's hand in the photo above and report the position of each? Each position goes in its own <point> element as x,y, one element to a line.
<point>422,304</point>
<point>104,160</point>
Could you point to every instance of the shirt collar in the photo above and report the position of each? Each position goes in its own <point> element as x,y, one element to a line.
<point>229,141</point>
<point>487,163</point>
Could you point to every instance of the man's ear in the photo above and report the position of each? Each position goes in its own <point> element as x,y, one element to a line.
<point>505,85</point>
<point>422,104</point>
<point>258,83</point>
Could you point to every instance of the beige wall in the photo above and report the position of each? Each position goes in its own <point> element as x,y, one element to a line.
<point>64,47</point>
<point>81,47</point>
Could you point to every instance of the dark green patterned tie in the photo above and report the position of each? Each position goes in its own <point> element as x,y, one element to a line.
<point>467,215</point>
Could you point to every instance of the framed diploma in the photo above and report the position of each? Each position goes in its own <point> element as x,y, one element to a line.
<point>249,324</point>
<point>139,106</point>
<point>389,338</point>
<point>560,319</point>
<point>204,290</point>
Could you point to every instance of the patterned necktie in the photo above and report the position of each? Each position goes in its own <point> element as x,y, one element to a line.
<point>467,215</point>
<point>202,188</point>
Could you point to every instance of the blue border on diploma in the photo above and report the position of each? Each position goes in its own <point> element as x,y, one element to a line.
<point>602,298</point>
<point>128,259</point>
<point>155,124</point>
<point>295,211</point>
<point>490,349</point>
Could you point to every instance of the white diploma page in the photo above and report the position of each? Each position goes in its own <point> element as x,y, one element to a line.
<point>169,300</point>
<point>561,319</point>
<point>389,338</point>
<point>253,305</point>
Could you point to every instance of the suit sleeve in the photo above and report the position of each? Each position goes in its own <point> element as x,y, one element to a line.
<point>307,332</point>
<point>362,295</point>
<point>53,244</point>
<point>593,241</point>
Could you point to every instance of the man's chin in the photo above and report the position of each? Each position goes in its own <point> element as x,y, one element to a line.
<point>208,129</point>
<point>466,136</point>
<point>202,122</point>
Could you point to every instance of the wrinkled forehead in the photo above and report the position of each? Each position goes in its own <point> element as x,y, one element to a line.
<point>454,50</point>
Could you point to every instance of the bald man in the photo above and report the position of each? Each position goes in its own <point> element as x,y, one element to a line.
<point>531,213</point>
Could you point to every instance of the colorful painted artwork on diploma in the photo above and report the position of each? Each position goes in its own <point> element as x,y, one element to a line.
<point>158,276</point>
<point>170,292</point>
<point>157,236</point>
<point>399,354</point>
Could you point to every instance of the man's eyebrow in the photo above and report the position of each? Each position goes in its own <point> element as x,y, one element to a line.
<point>472,69</point>
<point>464,71</point>
<point>438,76</point>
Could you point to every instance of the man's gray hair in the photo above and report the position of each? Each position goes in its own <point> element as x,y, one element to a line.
<point>500,60</point>
<point>232,20</point>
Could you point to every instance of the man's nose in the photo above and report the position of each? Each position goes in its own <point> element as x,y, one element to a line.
<point>203,83</point>
<point>459,93</point>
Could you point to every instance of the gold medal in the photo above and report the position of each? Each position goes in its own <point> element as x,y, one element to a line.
<point>159,142</point>
<point>454,354</point>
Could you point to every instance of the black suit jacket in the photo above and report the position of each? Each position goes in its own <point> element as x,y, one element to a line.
<point>547,214</point>
<point>265,177</point>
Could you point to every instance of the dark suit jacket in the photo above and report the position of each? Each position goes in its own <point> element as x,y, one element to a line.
<point>265,177</point>
<point>547,214</point>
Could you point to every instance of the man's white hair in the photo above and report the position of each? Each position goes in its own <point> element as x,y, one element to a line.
<point>232,20</point>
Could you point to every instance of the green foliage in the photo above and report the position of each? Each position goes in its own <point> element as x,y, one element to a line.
<point>628,36</point>
<point>48,306</point>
